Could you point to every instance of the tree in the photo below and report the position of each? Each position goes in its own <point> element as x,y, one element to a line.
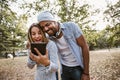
<point>114,35</point>
<point>113,16</point>
<point>113,13</point>
<point>11,32</point>
<point>65,9</point>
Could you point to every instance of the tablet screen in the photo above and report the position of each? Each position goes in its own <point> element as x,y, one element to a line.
<point>40,46</point>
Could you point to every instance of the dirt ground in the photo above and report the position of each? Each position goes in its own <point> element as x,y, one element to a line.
<point>104,65</point>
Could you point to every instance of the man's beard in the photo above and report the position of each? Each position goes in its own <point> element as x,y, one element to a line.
<point>51,32</point>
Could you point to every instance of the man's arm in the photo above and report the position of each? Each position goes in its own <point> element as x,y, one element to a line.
<point>85,53</point>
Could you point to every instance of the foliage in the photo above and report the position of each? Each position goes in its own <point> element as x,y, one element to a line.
<point>12,30</point>
<point>13,25</point>
<point>91,37</point>
<point>65,9</point>
<point>113,13</point>
<point>113,16</point>
<point>114,35</point>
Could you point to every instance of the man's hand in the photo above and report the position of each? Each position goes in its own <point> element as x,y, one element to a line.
<point>40,59</point>
<point>85,77</point>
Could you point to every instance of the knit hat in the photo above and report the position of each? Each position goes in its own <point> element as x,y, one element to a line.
<point>45,16</point>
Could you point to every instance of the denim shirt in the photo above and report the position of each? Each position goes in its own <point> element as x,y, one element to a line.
<point>71,31</point>
<point>49,72</point>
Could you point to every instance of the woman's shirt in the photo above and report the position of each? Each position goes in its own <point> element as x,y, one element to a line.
<point>49,72</point>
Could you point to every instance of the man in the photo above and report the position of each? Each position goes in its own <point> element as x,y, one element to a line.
<point>72,46</point>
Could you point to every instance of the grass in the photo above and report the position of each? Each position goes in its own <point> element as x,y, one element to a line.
<point>104,65</point>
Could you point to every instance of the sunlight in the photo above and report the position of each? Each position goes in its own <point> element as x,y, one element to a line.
<point>95,4</point>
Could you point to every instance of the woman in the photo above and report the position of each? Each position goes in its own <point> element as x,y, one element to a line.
<point>47,65</point>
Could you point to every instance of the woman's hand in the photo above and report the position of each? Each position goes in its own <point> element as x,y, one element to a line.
<point>40,59</point>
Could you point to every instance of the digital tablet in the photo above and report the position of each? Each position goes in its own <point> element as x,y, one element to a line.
<point>40,46</point>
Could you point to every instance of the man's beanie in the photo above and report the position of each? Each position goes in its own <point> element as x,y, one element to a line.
<point>45,16</point>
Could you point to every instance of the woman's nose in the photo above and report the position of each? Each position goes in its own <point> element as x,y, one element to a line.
<point>37,35</point>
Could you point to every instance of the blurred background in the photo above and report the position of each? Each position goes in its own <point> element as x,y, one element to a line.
<point>98,19</point>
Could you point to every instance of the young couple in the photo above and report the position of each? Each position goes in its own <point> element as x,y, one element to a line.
<point>64,40</point>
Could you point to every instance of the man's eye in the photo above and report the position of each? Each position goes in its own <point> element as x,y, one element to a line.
<point>42,27</point>
<point>48,24</point>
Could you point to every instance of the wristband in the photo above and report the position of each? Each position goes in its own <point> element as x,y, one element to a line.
<point>86,74</point>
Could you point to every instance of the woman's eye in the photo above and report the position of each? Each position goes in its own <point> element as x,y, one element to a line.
<point>33,33</point>
<point>39,33</point>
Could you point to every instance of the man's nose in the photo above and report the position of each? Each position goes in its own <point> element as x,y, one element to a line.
<point>46,28</point>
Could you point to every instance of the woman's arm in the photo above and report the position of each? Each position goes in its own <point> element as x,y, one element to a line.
<point>53,56</point>
<point>30,62</point>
